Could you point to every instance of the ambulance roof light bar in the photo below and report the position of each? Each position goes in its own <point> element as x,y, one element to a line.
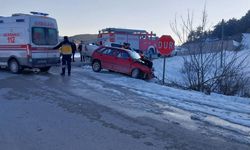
<point>39,13</point>
<point>19,14</point>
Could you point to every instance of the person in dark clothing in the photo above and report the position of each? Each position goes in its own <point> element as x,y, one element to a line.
<point>66,49</point>
<point>126,46</point>
<point>73,51</point>
<point>80,49</point>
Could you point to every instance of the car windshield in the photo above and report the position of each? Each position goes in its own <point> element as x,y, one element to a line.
<point>134,55</point>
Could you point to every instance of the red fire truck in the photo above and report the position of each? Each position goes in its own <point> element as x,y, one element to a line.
<point>142,40</point>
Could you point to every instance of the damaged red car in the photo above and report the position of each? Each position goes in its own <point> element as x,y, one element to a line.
<point>123,61</point>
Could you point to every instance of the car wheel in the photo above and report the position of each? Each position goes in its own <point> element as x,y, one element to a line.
<point>44,69</point>
<point>135,73</point>
<point>96,66</point>
<point>14,66</point>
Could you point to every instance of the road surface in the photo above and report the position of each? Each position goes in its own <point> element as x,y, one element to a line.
<point>45,111</point>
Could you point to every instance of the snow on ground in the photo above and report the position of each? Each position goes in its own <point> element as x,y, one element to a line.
<point>236,110</point>
<point>246,40</point>
<point>5,75</point>
<point>229,112</point>
<point>226,111</point>
<point>174,66</point>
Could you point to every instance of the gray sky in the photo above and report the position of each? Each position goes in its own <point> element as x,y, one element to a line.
<point>89,16</point>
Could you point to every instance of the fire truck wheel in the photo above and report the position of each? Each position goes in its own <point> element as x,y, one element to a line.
<point>14,66</point>
<point>135,73</point>
<point>96,66</point>
<point>44,69</point>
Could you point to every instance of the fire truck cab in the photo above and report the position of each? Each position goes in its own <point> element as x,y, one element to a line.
<point>26,41</point>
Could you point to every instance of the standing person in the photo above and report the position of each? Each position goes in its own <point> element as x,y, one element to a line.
<point>80,49</point>
<point>73,51</point>
<point>126,46</point>
<point>66,48</point>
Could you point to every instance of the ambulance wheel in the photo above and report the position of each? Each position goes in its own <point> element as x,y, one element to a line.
<point>14,66</point>
<point>135,73</point>
<point>96,66</point>
<point>44,69</point>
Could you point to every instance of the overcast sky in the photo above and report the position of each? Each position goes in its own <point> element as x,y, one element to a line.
<point>89,16</point>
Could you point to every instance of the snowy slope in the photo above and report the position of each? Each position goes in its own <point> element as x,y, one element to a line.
<point>236,110</point>
<point>226,112</point>
<point>246,40</point>
<point>229,112</point>
<point>174,66</point>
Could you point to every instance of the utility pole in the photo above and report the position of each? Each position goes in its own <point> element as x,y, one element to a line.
<point>222,43</point>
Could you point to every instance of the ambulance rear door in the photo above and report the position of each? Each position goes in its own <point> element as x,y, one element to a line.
<point>44,36</point>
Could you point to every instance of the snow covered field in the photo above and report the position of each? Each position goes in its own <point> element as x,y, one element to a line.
<point>234,110</point>
<point>228,112</point>
<point>174,66</point>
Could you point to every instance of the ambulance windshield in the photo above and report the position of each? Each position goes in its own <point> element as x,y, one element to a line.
<point>44,36</point>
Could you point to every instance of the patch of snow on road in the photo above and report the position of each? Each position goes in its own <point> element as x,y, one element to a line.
<point>5,75</point>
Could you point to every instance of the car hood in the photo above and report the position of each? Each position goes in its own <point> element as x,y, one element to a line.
<point>145,62</point>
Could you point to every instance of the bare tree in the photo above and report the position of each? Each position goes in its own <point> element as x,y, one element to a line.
<point>202,67</point>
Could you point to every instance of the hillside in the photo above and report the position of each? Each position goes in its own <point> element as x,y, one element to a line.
<point>83,37</point>
<point>233,28</point>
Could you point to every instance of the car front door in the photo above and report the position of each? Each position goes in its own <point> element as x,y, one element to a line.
<point>123,62</point>
<point>108,58</point>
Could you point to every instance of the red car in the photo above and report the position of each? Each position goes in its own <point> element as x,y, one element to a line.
<point>123,61</point>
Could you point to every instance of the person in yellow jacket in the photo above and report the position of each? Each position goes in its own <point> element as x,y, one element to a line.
<point>65,48</point>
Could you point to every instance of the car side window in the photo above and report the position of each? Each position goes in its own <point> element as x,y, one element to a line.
<point>108,52</point>
<point>123,55</point>
<point>100,50</point>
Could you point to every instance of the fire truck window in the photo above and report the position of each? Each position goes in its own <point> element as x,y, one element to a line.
<point>143,37</point>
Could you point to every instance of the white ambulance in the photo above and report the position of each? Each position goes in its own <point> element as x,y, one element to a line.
<point>26,41</point>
